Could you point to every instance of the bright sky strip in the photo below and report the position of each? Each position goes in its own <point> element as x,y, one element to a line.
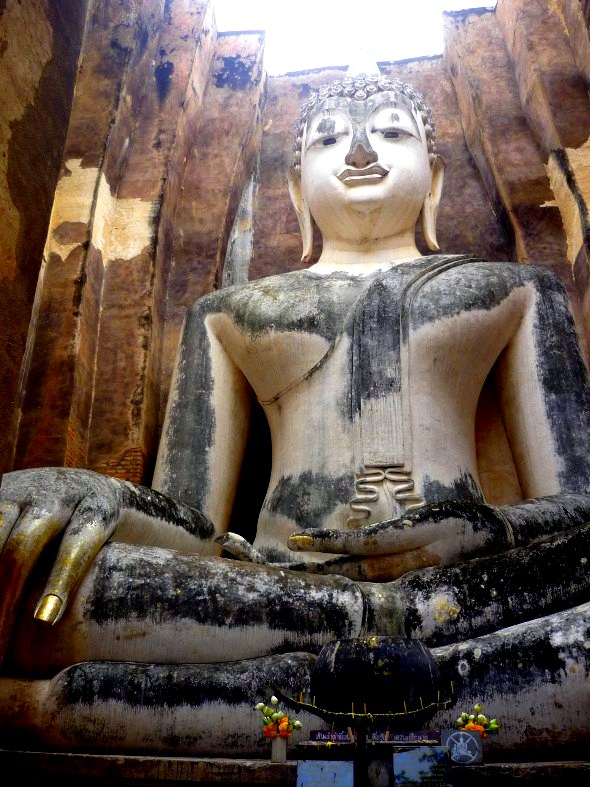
<point>305,34</point>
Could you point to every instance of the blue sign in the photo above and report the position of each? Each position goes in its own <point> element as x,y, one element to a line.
<point>424,765</point>
<point>325,773</point>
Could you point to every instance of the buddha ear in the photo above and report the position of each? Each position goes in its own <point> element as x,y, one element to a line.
<point>303,212</point>
<point>430,207</point>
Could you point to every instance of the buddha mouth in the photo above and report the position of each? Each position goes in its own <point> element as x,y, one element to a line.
<point>366,175</point>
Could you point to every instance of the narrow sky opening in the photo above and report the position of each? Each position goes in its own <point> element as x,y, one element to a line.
<point>314,33</point>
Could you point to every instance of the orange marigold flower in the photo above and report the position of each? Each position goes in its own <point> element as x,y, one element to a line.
<point>470,726</point>
<point>478,727</point>
<point>270,730</point>
<point>285,727</point>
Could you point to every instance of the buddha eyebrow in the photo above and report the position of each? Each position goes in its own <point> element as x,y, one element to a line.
<point>395,118</point>
<point>326,125</point>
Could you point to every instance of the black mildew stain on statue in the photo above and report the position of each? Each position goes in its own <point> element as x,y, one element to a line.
<point>298,301</point>
<point>309,498</point>
<point>465,487</point>
<point>277,554</point>
<point>375,330</point>
<point>564,382</point>
<point>175,686</point>
<point>538,518</point>
<point>147,585</point>
<point>482,518</point>
<point>562,373</point>
<point>536,653</point>
<point>477,285</point>
<point>191,419</point>
<point>497,591</point>
<point>154,505</point>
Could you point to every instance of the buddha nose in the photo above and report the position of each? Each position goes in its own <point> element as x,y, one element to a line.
<point>361,154</point>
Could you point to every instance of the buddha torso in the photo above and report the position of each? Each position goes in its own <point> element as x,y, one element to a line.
<point>291,337</point>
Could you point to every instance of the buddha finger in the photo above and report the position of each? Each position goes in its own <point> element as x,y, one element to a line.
<point>382,538</point>
<point>378,568</point>
<point>34,529</point>
<point>9,513</point>
<point>240,548</point>
<point>90,527</point>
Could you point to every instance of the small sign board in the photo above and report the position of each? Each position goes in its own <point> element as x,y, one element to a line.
<point>410,736</point>
<point>464,746</point>
<point>324,773</point>
<point>423,765</point>
<point>378,736</point>
<point>329,736</point>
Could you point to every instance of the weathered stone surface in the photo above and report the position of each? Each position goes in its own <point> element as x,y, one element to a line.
<point>147,193</point>
<point>115,770</point>
<point>53,424</point>
<point>220,164</point>
<point>148,771</point>
<point>536,670</point>
<point>499,138</point>
<point>142,77</point>
<point>39,45</point>
<point>552,91</point>
<point>574,17</point>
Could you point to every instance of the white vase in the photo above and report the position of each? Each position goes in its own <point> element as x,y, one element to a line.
<point>278,752</point>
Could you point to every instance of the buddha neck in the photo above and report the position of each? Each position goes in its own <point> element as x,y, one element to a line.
<point>362,258</point>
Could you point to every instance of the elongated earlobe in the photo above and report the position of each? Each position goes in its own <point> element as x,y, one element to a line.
<point>431,203</point>
<point>303,213</point>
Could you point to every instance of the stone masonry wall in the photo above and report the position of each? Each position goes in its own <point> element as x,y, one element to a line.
<point>39,45</point>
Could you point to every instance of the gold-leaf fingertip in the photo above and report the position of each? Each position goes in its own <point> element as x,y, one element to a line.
<point>301,541</point>
<point>48,609</point>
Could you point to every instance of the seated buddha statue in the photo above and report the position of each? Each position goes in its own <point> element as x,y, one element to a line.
<point>430,429</point>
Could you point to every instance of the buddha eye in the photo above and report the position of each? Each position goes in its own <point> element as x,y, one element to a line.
<point>389,133</point>
<point>329,141</point>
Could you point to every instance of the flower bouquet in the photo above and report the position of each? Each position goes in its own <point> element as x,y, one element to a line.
<point>477,722</point>
<point>278,725</point>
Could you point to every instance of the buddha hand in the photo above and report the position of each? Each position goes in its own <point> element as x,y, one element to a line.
<point>438,534</point>
<point>86,509</point>
<point>36,506</point>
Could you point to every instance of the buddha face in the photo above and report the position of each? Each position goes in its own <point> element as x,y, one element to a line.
<point>365,170</point>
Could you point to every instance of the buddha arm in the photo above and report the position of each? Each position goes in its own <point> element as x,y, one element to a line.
<point>206,425</point>
<point>543,393</point>
<point>544,397</point>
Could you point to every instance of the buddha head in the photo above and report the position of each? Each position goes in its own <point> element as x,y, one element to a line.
<point>365,164</point>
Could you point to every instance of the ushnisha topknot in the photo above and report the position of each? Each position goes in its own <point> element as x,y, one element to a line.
<point>359,88</point>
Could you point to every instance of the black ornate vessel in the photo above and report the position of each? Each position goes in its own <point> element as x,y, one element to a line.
<point>381,680</point>
<point>378,676</point>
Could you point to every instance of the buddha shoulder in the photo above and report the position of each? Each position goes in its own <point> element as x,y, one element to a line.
<point>480,285</point>
<point>297,301</point>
